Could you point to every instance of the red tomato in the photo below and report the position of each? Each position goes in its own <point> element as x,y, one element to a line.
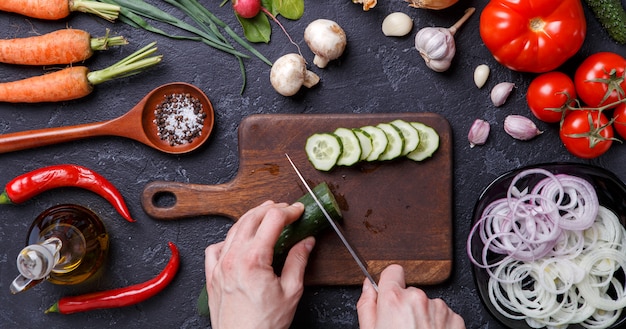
<point>547,95</point>
<point>586,133</point>
<point>533,35</point>
<point>600,79</point>
<point>619,114</point>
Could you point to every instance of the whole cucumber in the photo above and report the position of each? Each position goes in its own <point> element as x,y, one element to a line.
<point>612,16</point>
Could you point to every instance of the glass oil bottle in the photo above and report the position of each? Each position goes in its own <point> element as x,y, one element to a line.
<point>66,244</point>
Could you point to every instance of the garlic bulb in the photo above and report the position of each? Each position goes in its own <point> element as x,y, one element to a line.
<point>436,44</point>
<point>397,24</point>
<point>501,92</point>
<point>481,73</point>
<point>478,133</point>
<point>431,4</point>
<point>520,127</point>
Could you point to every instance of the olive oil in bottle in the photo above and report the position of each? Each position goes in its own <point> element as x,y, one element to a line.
<point>66,244</point>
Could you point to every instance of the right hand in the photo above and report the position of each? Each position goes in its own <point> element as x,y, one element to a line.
<point>396,306</point>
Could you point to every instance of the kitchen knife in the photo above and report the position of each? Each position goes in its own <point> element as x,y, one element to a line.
<point>342,237</point>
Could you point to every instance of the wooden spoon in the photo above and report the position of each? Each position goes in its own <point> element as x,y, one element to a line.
<point>137,124</point>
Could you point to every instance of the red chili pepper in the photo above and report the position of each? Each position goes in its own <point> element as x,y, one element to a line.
<point>122,296</point>
<point>27,185</point>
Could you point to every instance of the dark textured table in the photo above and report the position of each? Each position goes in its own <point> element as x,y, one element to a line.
<point>377,74</point>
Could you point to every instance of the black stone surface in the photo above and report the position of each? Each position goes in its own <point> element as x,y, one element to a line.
<point>377,74</point>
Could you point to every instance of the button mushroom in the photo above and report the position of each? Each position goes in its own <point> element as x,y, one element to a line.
<point>289,74</point>
<point>326,39</point>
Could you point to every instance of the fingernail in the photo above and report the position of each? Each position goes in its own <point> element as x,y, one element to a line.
<point>366,285</point>
<point>309,243</point>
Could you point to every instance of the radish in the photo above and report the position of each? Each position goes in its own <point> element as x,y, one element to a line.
<point>247,8</point>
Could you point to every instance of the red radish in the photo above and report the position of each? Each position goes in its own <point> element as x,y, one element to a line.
<point>247,8</point>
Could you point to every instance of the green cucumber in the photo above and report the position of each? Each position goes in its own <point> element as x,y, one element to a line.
<point>429,142</point>
<point>612,16</point>
<point>410,134</point>
<point>311,223</point>
<point>379,142</point>
<point>366,142</point>
<point>351,147</point>
<point>395,142</point>
<point>323,150</point>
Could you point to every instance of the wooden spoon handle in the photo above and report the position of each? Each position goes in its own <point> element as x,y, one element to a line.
<point>188,200</point>
<point>41,137</point>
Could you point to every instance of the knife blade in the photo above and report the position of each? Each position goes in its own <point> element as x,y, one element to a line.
<point>340,234</point>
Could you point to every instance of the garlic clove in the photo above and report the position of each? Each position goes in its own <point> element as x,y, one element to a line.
<point>478,133</point>
<point>520,127</point>
<point>481,73</point>
<point>397,24</point>
<point>501,92</point>
<point>326,39</point>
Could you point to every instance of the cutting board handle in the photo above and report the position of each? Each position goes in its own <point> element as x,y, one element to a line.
<point>173,200</point>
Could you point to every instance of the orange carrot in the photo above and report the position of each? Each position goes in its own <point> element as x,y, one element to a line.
<point>59,47</point>
<point>59,9</point>
<point>74,82</point>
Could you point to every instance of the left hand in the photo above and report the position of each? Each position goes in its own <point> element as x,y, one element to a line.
<point>244,292</point>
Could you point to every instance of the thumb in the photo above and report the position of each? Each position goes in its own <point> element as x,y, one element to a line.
<point>292,276</point>
<point>366,306</point>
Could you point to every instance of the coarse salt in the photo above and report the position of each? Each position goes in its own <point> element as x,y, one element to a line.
<point>179,119</point>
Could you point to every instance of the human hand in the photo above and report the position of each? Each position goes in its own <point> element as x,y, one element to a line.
<point>396,306</point>
<point>244,292</point>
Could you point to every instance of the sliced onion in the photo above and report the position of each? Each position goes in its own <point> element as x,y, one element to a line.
<point>552,253</point>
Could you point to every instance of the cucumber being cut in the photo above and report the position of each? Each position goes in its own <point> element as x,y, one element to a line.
<point>323,150</point>
<point>311,223</point>
<point>366,142</point>
<point>410,134</point>
<point>429,142</point>
<point>395,142</point>
<point>351,147</point>
<point>379,142</point>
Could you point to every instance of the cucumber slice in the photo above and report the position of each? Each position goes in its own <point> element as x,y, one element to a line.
<point>395,143</point>
<point>366,142</point>
<point>351,153</point>
<point>379,142</point>
<point>429,142</point>
<point>410,134</point>
<point>323,150</point>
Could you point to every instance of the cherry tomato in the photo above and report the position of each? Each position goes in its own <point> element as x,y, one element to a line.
<point>547,95</point>
<point>600,79</point>
<point>533,35</point>
<point>586,133</point>
<point>619,114</point>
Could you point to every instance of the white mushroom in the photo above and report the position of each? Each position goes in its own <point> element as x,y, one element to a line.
<point>326,39</point>
<point>289,74</point>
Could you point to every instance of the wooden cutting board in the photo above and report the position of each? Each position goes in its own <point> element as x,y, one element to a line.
<point>397,211</point>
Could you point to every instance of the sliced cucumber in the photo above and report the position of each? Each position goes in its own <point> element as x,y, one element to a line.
<point>429,142</point>
<point>395,142</point>
<point>379,142</point>
<point>351,153</point>
<point>410,134</point>
<point>366,142</point>
<point>323,150</point>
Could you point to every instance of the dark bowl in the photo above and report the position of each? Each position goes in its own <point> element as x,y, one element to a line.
<point>611,193</point>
